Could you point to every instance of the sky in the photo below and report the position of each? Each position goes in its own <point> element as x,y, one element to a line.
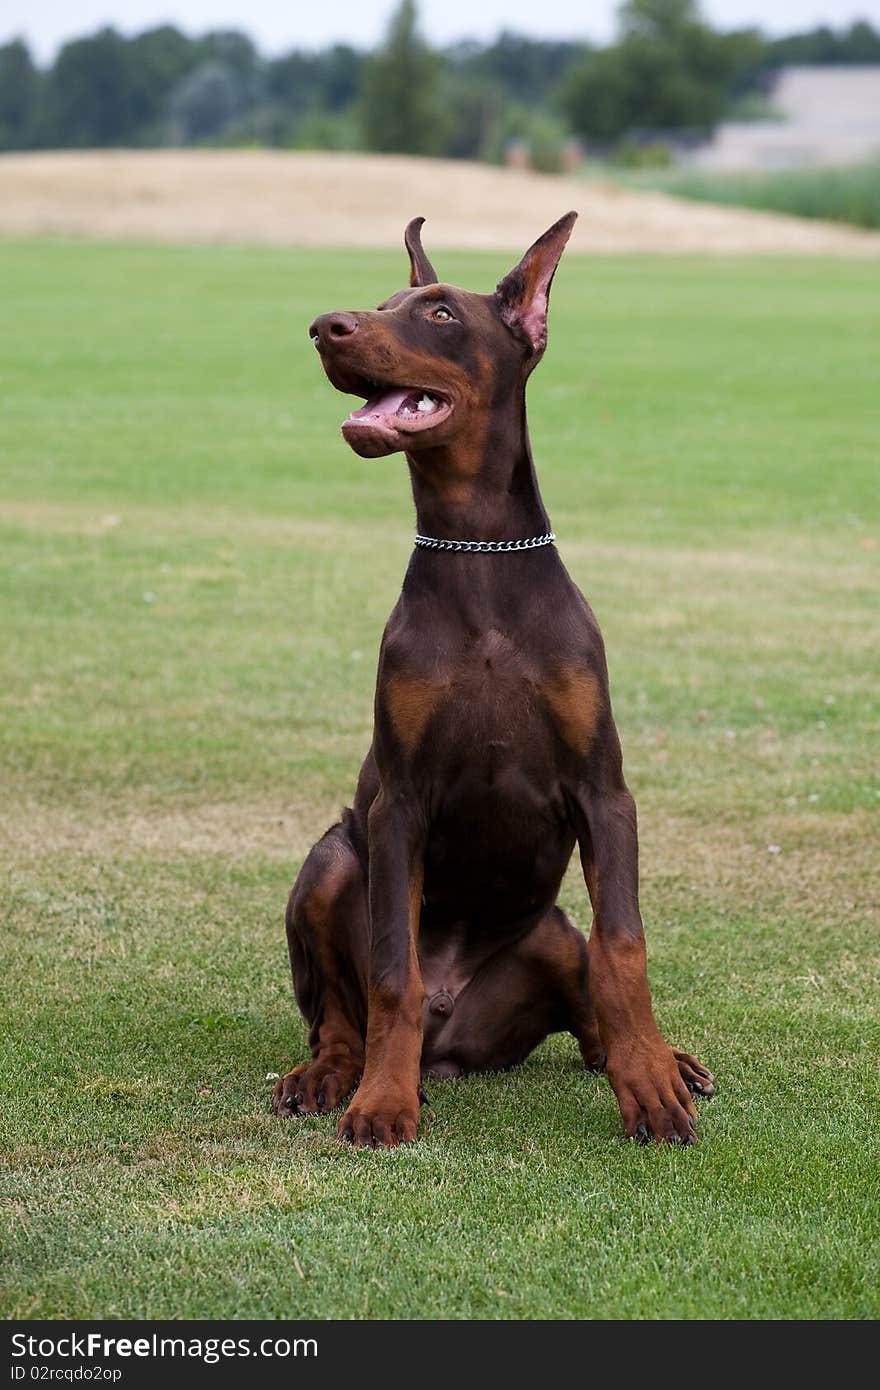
<point>278,25</point>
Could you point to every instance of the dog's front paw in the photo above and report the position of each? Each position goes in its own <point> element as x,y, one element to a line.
<point>653,1097</point>
<point>380,1120</point>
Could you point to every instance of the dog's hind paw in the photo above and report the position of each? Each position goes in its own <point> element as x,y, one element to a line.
<point>314,1088</point>
<point>698,1079</point>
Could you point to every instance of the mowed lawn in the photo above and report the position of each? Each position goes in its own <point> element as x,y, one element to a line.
<point>195,574</point>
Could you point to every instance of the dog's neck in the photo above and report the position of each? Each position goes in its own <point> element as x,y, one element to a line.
<point>483,488</point>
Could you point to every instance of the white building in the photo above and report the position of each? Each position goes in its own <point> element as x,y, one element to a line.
<point>827,115</point>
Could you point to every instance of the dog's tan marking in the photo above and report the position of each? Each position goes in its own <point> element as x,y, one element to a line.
<point>410,701</point>
<point>453,473</point>
<point>575,700</point>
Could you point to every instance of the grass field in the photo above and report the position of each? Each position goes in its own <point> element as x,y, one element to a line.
<point>195,576</point>
<point>849,194</point>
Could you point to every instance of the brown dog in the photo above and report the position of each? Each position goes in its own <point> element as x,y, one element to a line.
<point>423,928</point>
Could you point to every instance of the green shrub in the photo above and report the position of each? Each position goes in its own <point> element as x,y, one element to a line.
<point>631,155</point>
<point>541,132</point>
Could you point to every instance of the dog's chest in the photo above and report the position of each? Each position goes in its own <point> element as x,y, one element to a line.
<point>490,763</point>
<point>494,680</point>
<point>484,722</point>
<point>492,698</point>
<point>494,703</point>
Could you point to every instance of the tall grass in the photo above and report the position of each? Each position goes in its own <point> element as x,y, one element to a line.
<point>850,194</point>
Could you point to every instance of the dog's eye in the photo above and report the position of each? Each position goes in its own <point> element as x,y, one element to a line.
<point>441,315</point>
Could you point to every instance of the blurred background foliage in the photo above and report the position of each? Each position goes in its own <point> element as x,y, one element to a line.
<point>668,69</point>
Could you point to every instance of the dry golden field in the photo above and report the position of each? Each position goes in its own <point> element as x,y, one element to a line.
<point>318,199</point>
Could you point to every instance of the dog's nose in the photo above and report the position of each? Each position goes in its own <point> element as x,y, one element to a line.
<point>329,328</point>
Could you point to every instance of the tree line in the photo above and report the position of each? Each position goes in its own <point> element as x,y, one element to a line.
<point>668,70</point>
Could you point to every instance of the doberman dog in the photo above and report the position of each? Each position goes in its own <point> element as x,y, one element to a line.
<point>423,929</point>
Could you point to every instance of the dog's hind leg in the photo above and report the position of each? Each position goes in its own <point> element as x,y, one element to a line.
<point>328,940</point>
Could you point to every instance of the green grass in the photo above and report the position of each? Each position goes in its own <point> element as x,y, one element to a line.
<point>195,576</point>
<point>849,194</point>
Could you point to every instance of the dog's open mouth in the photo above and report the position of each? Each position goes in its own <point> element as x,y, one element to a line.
<point>401,408</point>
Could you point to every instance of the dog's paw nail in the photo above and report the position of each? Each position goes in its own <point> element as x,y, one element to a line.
<point>692,1122</point>
<point>691,1140</point>
<point>641,1134</point>
<point>321,1099</point>
<point>424,1098</point>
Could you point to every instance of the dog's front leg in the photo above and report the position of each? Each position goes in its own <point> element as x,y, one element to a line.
<point>385,1107</point>
<point>648,1077</point>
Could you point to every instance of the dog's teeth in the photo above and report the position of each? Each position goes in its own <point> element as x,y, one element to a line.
<point>426,403</point>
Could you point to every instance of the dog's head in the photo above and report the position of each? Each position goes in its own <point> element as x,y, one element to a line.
<point>433,357</point>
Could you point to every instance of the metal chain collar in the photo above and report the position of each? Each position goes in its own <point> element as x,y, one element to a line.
<point>432,543</point>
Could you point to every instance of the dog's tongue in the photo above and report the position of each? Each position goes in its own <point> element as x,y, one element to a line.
<point>386,403</point>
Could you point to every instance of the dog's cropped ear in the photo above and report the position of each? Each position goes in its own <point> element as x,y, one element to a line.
<point>421,272</point>
<point>523,295</point>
